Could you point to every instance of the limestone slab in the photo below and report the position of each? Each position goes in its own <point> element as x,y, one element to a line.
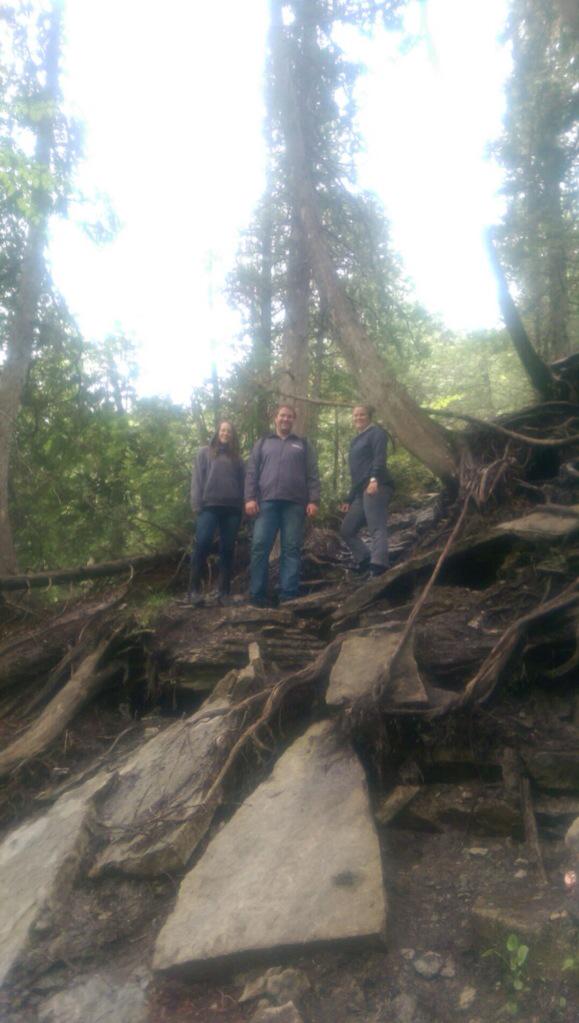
<point>154,814</point>
<point>38,863</point>
<point>298,864</point>
<point>362,662</point>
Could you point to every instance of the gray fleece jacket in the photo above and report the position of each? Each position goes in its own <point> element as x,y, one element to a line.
<point>283,470</point>
<point>216,481</point>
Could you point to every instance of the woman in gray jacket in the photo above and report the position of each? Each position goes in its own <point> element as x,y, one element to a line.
<point>217,498</point>
<point>371,490</point>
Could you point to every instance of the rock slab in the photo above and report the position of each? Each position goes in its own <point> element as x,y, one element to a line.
<point>363,660</point>
<point>154,814</point>
<point>298,864</point>
<point>94,1001</point>
<point>38,864</point>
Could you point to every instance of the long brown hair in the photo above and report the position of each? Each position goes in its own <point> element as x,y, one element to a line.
<point>233,445</point>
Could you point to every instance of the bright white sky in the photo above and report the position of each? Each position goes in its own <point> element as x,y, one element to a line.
<point>171,100</point>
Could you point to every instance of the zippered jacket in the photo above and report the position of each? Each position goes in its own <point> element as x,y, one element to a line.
<point>367,459</point>
<point>283,469</point>
<point>216,481</point>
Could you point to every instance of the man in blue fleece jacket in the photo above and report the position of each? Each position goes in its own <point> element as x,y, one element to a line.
<point>282,487</point>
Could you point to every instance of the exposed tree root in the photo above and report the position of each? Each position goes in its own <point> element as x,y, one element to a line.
<point>273,701</point>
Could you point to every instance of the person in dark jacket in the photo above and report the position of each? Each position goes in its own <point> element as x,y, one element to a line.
<point>371,490</point>
<point>282,487</point>
<point>217,498</point>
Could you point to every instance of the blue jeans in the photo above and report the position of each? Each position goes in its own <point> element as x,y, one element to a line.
<point>288,518</point>
<point>210,519</point>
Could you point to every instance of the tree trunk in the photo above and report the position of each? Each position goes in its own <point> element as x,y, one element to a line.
<point>295,376</point>
<point>21,326</point>
<point>295,343</point>
<point>537,371</point>
<point>262,346</point>
<point>378,385</point>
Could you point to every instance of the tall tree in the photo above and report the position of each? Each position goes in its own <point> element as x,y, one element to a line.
<point>538,150</point>
<point>313,152</point>
<point>37,189</point>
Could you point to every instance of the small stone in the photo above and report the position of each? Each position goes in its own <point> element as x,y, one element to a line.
<point>403,1009</point>
<point>478,850</point>
<point>286,985</point>
<point>253,989</point>
<point>277,984</point>
<point>449,969</point>
<point>467,997</point>
<point>407,953</point>
<point>520,874</point>
<point>278,1014</point>
<point>428,965</point>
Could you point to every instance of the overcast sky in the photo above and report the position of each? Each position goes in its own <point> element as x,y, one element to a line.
<point>171,99</point>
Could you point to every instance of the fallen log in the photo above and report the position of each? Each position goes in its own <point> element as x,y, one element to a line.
<point>88,678</point>
<point>60,576</point>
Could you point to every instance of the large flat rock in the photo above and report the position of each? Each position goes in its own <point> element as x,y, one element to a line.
<point>39,862</point>
<point>154,813</point>
<point>365,658</point>
<point>298,864</point>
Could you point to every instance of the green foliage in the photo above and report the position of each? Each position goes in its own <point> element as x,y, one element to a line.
<point>515,960</point>
<point>97,473</point>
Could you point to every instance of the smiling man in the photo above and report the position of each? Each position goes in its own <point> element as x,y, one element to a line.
<point>282,487</point>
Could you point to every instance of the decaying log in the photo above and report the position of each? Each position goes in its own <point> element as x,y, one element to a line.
<point>88,678</point>
<point>107,568</point>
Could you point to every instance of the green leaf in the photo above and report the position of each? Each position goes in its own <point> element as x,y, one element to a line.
<point>512,943</point>
<point>522,953</point>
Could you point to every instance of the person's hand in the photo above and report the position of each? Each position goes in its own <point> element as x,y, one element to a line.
<point>344,508</point>
<point>372,487</point>
<point>311,510</point>
<point>251,509</point>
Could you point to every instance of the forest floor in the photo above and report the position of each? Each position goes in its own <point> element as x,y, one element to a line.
<point>460,877</point>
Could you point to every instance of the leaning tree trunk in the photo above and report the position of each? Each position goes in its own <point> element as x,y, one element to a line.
<point>376,381</point>
<point>21,326</point>
<point>537,371</point>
